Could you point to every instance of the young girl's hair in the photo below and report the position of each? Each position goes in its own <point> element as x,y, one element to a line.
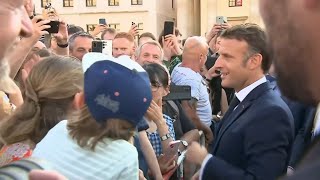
<point>49,92</point>
<point>88,132</point>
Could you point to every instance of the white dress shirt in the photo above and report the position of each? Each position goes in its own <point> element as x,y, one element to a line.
<point>316,122</point>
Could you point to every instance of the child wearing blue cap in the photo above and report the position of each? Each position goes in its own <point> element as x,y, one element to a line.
<point>97,142</point>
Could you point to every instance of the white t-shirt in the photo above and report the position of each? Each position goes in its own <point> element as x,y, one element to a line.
<point>186,76</point>
<point>111,159</point>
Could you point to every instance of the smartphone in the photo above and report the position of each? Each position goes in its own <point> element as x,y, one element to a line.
<point>168,28</point>
<point>221,19</point>
<point>54,26</point>
<point>172,150</point>
<point>102,21</point>
<point>132,23</point>
<point>178,93</point>
<point>102,46</point>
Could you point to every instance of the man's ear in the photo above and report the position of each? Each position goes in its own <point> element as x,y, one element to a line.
<point>255,61</point>
<point>79,101</point>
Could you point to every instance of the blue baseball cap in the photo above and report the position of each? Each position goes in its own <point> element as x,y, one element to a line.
<point>115,88</point>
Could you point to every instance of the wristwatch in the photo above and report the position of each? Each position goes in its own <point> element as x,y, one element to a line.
<point>63,45</point>
<point>165,137</point>
<point>184,143</point>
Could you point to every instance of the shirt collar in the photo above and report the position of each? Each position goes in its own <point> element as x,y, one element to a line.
<point>245,91</point>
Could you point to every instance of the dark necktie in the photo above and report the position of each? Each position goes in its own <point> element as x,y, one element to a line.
<point>234,103</point>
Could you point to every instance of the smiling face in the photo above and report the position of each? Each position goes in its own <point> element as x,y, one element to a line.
<point>150,53</point>
<point>232,64</point>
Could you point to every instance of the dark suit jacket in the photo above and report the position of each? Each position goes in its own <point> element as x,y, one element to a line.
<point>254,141</point>
<point>303,116</point>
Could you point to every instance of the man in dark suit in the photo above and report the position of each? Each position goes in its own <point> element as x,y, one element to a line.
<point>254,138</point>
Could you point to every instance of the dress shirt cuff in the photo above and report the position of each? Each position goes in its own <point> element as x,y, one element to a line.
<point>203,165</point>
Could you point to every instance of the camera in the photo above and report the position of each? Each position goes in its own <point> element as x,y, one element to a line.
<point>102,46</point>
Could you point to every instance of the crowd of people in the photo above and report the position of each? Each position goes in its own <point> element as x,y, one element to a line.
<point>253,96</point>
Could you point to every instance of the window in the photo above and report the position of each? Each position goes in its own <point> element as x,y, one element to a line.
<point>116,26</point>
<point>45,2</point>
<point>91,3</point>
<point>140,26</point>
<point>67,3</point>
<point>113,2</point>
<point>90,27</point>
<point>235,3</point>
<point>136,2</point>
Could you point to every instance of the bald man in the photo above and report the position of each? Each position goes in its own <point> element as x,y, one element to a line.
<point>187,73</point>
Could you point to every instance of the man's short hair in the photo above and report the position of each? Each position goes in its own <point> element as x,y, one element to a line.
<point>74,29</point>
<point>125,35</point>
<point>147,34</point>
<point>109,30</point>
<point>78,34</point>
<point>152,42</point>
<point>256,39</point>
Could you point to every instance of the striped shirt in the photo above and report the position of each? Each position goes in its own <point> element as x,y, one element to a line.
<point>111,159</point>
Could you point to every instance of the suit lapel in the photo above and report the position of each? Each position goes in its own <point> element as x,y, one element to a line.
<point>242,107</point>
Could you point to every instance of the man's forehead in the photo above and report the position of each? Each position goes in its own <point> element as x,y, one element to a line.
<point>83,38</point>
<point>231,45</point>
<point>148,47</point>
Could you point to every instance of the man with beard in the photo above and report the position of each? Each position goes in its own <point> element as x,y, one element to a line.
<point>295,42</point>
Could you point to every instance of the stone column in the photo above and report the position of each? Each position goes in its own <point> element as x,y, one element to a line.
<point>185,15</point>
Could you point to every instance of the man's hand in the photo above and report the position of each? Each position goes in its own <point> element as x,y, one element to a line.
<point>196,153</point>
<point>28,65</point>
<point>196,176</point>
<point>141,175</point>
<point>28,4</point>
<point>175,44</point>
<point>99,29</point>
<point>170,47</point>
<point>45,174</point>
<point>62,35</point>
<point>134,30</point>
<point>212,72</point>
<point>39,27</point>
<point>215,29</point>
<point>166,165</point>
<point>209,136</point>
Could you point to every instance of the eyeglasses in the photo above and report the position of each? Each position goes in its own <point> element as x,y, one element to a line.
<point>155,86</point>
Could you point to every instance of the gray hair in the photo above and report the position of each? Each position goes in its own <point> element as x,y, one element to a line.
<point>78,34</point>
<point>152,42</point>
